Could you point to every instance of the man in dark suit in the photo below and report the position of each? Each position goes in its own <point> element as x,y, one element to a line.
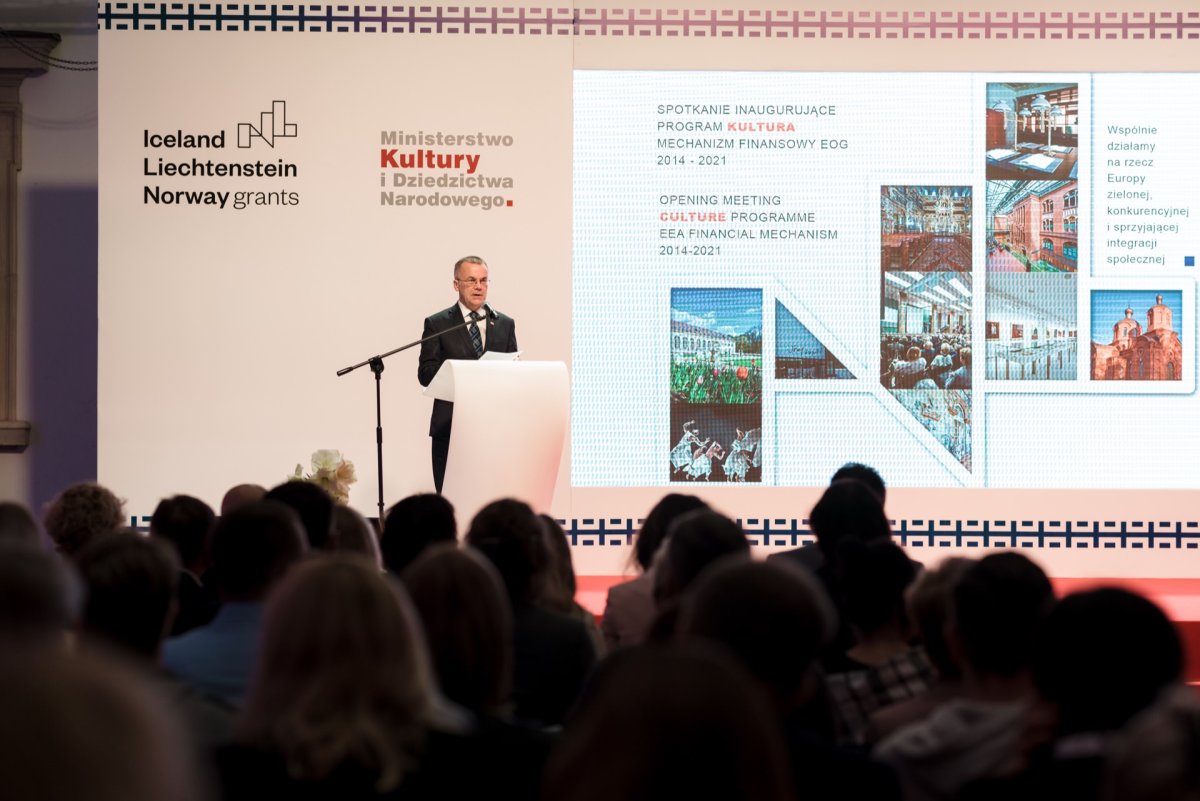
<point>489,331</point>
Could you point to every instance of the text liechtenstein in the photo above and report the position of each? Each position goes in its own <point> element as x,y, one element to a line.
<point>203,167</point>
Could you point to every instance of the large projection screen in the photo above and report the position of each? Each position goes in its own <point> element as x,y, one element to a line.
<point>956,245</point>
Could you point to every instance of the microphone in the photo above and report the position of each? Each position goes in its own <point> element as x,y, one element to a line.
<point>491,313</point>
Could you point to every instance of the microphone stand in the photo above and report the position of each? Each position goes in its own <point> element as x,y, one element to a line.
<point>376,365</point>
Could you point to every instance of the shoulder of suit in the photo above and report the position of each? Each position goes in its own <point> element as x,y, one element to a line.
<point>443,314</point>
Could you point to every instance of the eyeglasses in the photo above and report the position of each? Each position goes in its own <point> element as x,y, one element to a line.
<point>472,282</point>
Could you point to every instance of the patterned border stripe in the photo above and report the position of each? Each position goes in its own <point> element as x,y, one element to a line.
<point>697,23</point>
<point>777,532</point>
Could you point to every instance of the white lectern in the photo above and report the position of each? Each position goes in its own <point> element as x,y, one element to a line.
<point>510,424</point>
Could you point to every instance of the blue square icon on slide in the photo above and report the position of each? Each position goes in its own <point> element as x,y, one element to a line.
<point>1189,261</point>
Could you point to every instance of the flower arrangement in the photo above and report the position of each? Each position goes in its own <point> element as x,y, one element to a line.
<point>331,472</point>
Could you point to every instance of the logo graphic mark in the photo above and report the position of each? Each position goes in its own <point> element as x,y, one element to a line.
<point>272,125</point>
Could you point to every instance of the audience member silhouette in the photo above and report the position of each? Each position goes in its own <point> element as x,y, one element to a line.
<point>695,541</point>
<point>1099,658</point>
<point>187,523</point>
<point>314,506</point>
<point>252,549</point>
<point>240,495</point>
<point>881,667</point>
<point>558,584</point>
<point>997,604</point>
<point>552,652</point>
<point>629,608</point>
<point>866,474</point>
<point>848,509</point>
<point>460,599</point>
<point>1157,757</point>
<point>40,598</point>
<point>774,618</point>
<point>131,584</point>
<point>353,533</point>
<point>928,603</point>
<point>414,524</point>
<point>670,722</point>
<point>81,513</point>
<point>17,524</point>
<point>342,703</point>
<point>468,626</point>
<point>843,510</point>
<point>81,727</point>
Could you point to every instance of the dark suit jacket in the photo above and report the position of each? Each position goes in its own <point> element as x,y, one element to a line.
<point>501,338</point>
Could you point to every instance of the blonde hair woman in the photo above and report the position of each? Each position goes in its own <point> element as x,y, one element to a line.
<point>342,703</point>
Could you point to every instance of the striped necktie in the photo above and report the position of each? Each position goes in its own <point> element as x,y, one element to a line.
<point>476,339</point>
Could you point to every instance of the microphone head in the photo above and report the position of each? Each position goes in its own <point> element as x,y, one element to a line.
<point>491,313</point>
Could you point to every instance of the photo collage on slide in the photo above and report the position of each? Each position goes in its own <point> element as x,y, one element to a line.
<point>716,385</point>
<point>1032,174</point>
<point>926,306</point>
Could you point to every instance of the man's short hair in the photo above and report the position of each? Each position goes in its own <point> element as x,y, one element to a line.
<point>254,546</point>
<point>864,473</point>
<point>131,585</point>
<point>998,603</point>
<point>467,260</point>
<point>186,523</point>
<point>314,506</point>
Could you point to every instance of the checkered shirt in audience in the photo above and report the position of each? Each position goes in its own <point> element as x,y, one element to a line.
<point>858,693</point>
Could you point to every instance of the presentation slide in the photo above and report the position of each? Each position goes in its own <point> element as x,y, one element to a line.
<point>963,279</point>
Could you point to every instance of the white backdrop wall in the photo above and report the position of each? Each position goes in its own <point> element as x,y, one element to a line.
<point>221,329</point>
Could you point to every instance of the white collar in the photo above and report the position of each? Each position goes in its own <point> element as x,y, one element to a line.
<point>466,313</point>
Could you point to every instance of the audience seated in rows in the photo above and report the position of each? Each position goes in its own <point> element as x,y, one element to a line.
<point>935,361</point>
<point>318,678</point>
